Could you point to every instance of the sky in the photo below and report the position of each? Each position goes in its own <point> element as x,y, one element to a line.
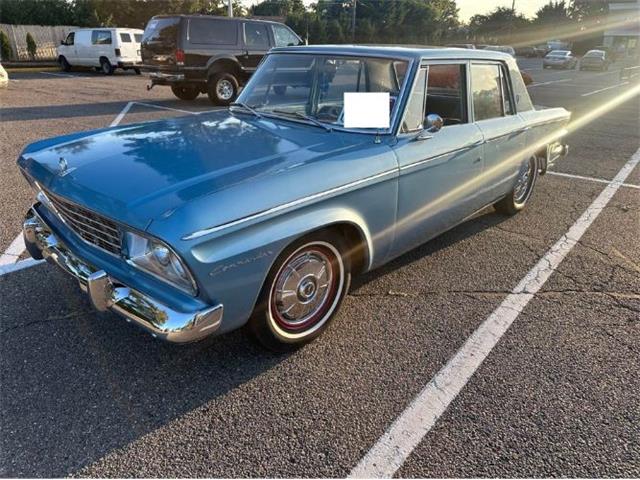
<point>469,8</point>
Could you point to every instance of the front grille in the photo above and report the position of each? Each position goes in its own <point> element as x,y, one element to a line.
<point>91,227</point>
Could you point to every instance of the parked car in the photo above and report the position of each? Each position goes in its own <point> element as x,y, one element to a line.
<point>262,212</point>
<point>501,48</point>
<point>196,54</point>
<point>4,77</point>
<point>560,59</point>
<point>611,53</point>
<point>595,60</point>
<point>529,52</point>
<point>469,46</point>
<point>105,49</point>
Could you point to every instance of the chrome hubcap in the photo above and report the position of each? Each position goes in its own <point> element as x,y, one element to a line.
<point>224,89</point>
<point>523,184</point>
<point>304,288</point>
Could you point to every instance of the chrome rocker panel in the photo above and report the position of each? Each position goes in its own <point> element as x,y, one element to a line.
<point>107,293</point>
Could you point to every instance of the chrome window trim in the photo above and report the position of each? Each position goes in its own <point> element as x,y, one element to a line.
<point>440,155</point>
<point>287,205</point>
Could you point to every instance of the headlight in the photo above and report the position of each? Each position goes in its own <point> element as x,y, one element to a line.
<point>158,259</point>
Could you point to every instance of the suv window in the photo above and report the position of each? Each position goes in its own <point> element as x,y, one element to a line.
<point>125,38</point>
<point>446,93</point>
<point>207,31</point>
<point>70,38</point>
<point>487,91</point>
<point>284,37</point>
<point>163,30</point>
<point>101,37</point>
<point>256,35</point>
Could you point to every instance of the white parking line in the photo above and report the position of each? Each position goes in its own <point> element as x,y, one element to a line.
<point>162,107</point>
<point>58,74</point>
<point>14,267</point>
<point>604,89</point>
<point>14,251</point>
<point>591,179</point>
<point>118,119</point>
<point>550,82</point>
<point>408,430</point>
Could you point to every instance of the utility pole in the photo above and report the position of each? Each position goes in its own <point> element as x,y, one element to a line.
<point>230,9</point>
<point>353,21</point>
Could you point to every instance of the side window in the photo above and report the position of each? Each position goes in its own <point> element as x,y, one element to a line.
<point>520,93</point>
<point>284,37</point>
<point>205,31</point>
<point>414,114</point>
<point>487,91</point>
<point>256,35</point>
<point>70,38</point>
<point>125,38</point>
<point>101,37</point>
<point>138,37</point>
<point>446,93</point>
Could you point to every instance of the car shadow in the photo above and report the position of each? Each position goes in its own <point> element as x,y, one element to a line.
<point>77,384</point>
<point>26,114</point>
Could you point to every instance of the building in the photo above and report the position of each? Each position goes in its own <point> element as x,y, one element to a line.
<point>623,32</point>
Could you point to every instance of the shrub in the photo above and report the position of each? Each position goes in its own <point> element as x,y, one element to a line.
<point>5,47</point>
<point>32,48</point>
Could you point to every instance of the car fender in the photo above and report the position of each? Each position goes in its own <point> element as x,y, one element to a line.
<point>213,62</point>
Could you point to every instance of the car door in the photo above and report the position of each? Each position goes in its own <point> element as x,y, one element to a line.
<point>438,171</point>
<point>101,46</point>
<point>68,48</point>
<point>256,44</point>
<point>82,43</point>
<point>504,132</point>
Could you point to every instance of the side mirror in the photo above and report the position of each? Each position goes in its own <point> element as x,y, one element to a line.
<point>61,42</point>
<point>433,124</point>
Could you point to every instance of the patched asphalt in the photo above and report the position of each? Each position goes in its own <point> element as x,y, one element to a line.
<point>85,394</point>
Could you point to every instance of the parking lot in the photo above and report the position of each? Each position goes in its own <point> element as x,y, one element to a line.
<point>84,393</point>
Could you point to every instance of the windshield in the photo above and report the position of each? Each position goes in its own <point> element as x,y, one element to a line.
<point>313,86</point>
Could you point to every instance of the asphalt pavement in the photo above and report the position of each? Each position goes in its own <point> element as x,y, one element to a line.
<point>86,394</point>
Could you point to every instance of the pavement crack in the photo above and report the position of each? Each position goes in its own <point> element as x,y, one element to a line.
<point>53,318</point>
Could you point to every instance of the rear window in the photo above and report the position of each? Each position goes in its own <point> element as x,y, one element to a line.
<point>207,31</point>
<point>125,38</point>
<point>255,35</point>
<point>138,37</point>
<point>162,30</point>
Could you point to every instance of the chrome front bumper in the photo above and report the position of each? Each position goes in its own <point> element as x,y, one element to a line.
<point>107,293</point>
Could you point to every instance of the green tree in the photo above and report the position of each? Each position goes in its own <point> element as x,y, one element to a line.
<point>5,47</point>
<point>554,12</point>
<point>502,25</point>
<point>335,33</point>
<point>32,48</point>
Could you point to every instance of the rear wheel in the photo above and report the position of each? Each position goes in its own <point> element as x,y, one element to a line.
<point>137,70</point>
<point>64,64</point>
<point>106,67</point>
<point>222,88</point>
<point>185,92</point>
<point>518,197</point>
<point>302,292</point>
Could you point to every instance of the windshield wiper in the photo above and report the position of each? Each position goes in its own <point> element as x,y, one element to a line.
<point>246,107</point>
<point>303,117</point>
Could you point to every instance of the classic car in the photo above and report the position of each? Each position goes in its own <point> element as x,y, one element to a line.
<point>263,211</point>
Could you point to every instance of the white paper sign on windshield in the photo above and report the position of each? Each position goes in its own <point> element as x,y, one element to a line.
<point>366,110</point>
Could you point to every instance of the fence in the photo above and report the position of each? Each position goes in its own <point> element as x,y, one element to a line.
<point>47,38</point>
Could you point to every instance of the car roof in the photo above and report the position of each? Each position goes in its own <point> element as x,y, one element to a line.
<point>216,17</point>
<point>126,29</point>
<point>405,51</point>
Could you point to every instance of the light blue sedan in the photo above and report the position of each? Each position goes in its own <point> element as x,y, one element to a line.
<point>262,213</point>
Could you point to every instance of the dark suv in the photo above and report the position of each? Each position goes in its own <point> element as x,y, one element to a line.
<point>198,53</point>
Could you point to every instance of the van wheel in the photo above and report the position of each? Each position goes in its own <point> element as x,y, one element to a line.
<point>222,88</point>
<point>185,92</point>
<point>106,67</point>
<point>137,70</point>
<point>518,197</point>
<point>64,64</point>
<point>302,292</point>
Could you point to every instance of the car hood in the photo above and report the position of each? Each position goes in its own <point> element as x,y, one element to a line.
<point>138,173</point>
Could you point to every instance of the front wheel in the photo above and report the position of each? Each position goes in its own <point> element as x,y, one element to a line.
<point>64,64</point>
<point>137,71</point>
<point>222,88</point>
<point>302,292</point>
<point>185,92</point>
<point>518,197</point>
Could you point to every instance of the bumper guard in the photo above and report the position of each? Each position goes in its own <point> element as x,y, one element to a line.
<point>106,293</point>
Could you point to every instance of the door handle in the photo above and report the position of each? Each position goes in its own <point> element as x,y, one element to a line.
<point>477,160</point>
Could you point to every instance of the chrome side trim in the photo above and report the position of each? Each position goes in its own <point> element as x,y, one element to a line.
<point>285,206</point>
<point>107,293</point>
<point>431,159</point>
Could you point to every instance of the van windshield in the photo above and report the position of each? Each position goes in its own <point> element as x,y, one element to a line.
<point>163,30</point>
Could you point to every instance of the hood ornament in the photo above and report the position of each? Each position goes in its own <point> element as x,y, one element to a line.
<point>63,167</point>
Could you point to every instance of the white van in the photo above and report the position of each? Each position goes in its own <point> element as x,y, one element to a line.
<point>105,49</point>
